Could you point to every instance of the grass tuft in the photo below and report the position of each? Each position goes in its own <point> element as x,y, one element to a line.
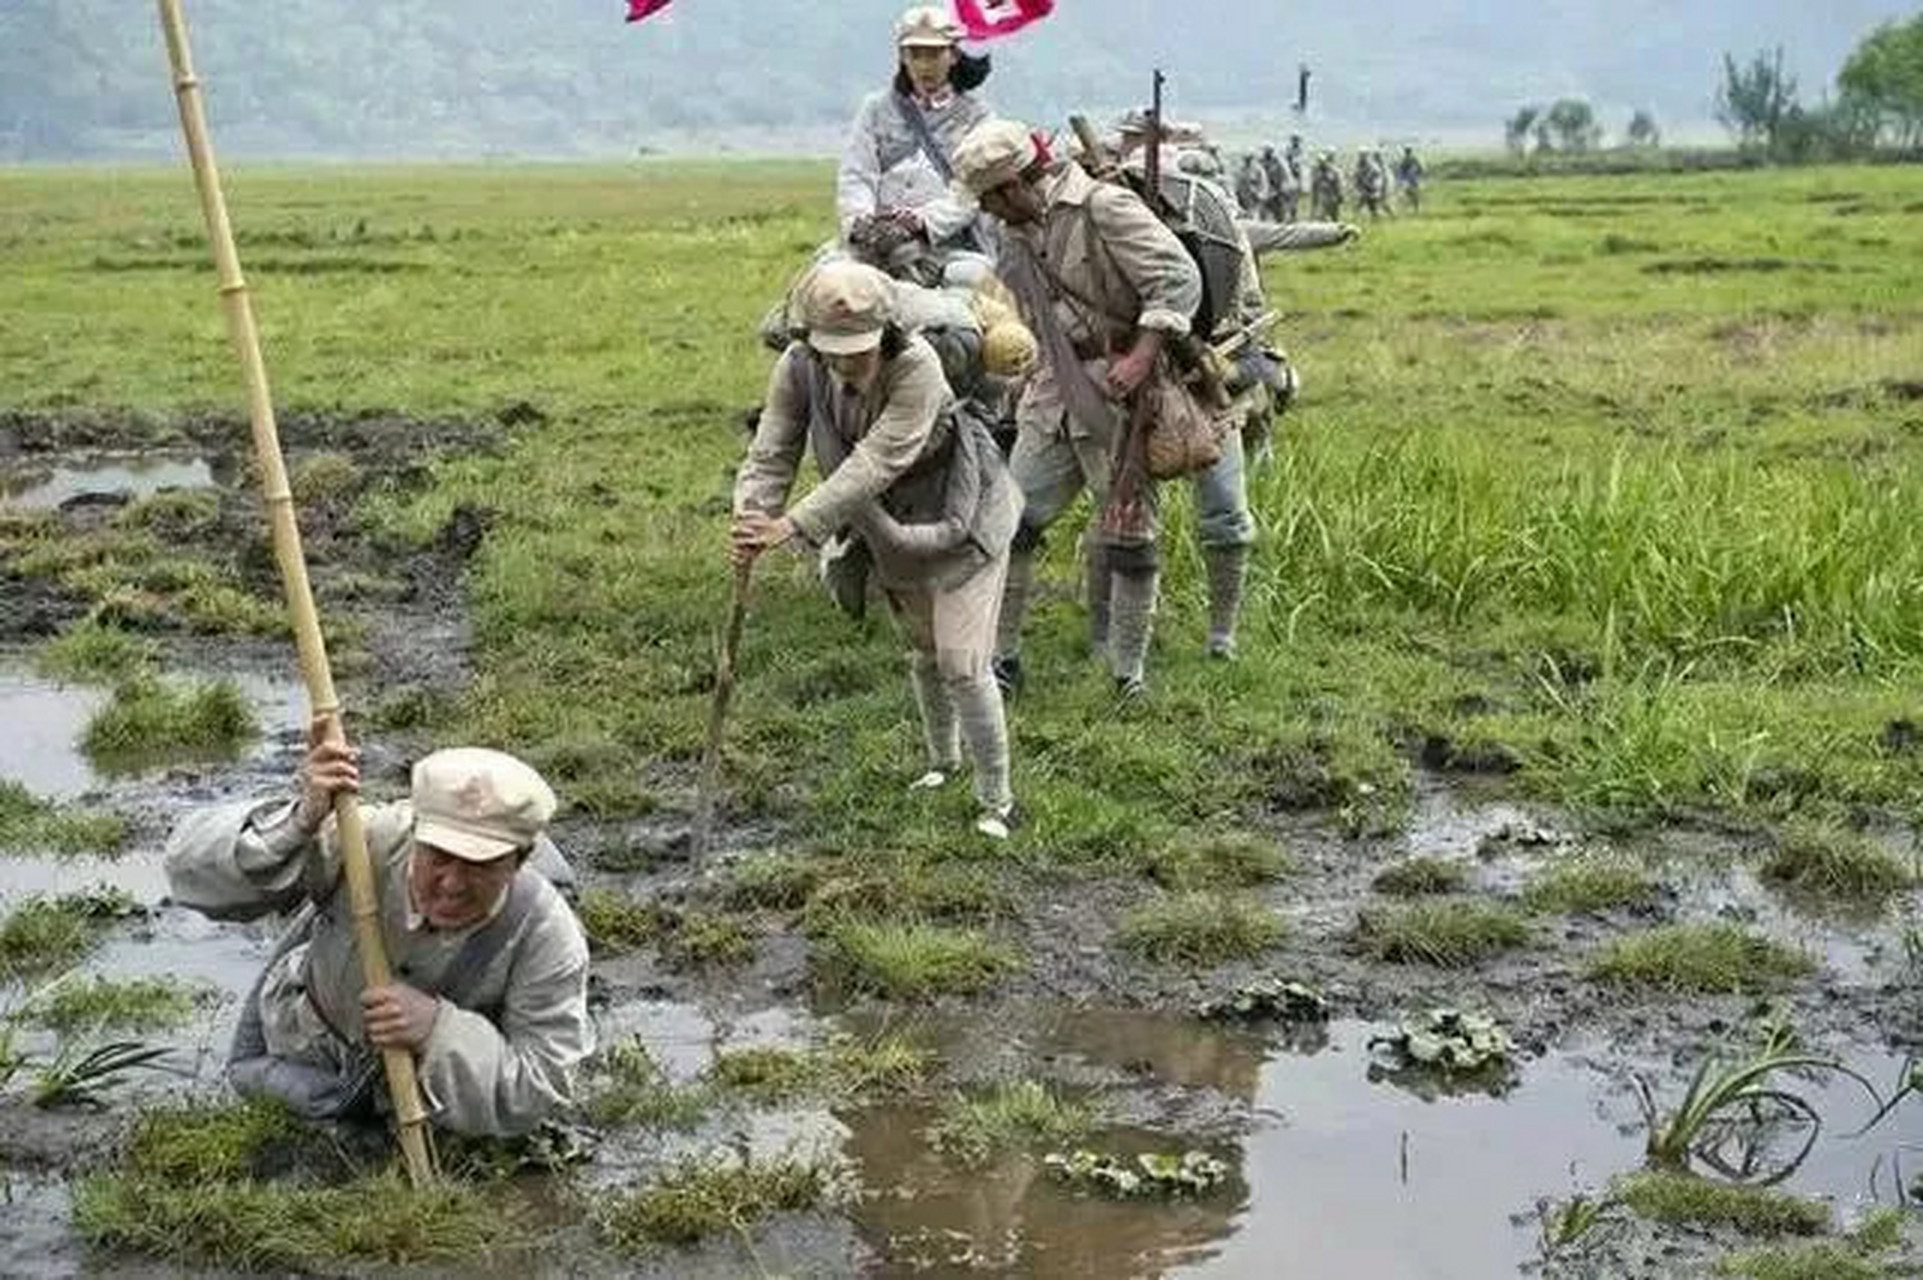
<point>1422,877</point>
<point>845,1069</point>
<point>1200,928</point>
<point>94,653</point>
<point>1831,860</point>
<point>696,1201</point>
<point>1705,958</point>
<point>1452,934</point>
<point>911,960</point>
<point>1589,884</point>
<point>45,935</point>
<point>634,1090</point>
<point>1223,861</point>
<point>1682,1199</point>
<point>150,721</point>
<point>106,1004</point>
<point>31,825</point>
<point>615,922</point>
<point>1025,1113</point>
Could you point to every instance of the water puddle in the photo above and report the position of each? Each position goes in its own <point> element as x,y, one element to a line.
<point>44,722</point>
<point>1336,1170</point>
<point>40,747</point>
<point>134,476</point>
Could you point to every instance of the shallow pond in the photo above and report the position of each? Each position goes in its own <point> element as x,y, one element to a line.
<point>44,488</point>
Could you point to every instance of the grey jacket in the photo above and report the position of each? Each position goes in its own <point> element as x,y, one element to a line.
<point>883,165</point>
<point>501,1067</point>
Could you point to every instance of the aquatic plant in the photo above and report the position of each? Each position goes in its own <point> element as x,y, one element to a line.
<point>1446,1040</point>
<point>76,1076</point>
<point>1739,1094</point>
<point>1274,998</point>
<point>1151,1173</point>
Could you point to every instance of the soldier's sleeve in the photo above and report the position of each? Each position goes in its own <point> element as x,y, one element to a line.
<point>1149,256</point>
<point>858,183</point>
<point>505,1079</point>
<point>774,455</point>
<point>891,446</point>
<point>244,860</point>
<point>1299,237</point>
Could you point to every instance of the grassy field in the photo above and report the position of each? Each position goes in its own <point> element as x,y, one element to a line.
<point>1616,477</point>
<point>1608,485</point>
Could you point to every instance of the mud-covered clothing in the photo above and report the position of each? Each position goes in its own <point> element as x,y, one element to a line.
<point>499,1065</point>
<point>884,165</point>
<point>889,470</point>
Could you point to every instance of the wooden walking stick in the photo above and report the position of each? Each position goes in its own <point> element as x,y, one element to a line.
<point>402,1084</point>
<point>710,778</point>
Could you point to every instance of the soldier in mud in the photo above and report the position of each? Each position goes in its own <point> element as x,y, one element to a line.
<point>896,168</point>
<point>1409,179</point>
<point>1372,182</point>
<point>925,488</point>
<point>1325,189</point>
<point>492,966</point>
<point>1106,288</point>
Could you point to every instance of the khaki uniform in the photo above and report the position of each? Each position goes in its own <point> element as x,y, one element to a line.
<point>1103,265</point>
<point>498,1072</point>
<point>946,595</point>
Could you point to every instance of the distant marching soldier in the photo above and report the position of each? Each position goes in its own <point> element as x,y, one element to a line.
<point>1252,187</point>
<point>1409,180</point>
<point>1372,182</point>
<point>1284,190</point>
<point>1325,189</point>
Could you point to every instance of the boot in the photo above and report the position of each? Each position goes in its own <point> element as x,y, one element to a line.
<point>1228,569</point>
<point>1131,620</point>
<point>1095,590</point>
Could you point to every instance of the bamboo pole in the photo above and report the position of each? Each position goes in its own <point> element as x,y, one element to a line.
<point>402,1084</point>
<point>710,778</point>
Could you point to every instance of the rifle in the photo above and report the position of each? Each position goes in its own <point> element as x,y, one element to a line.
<point>1152,161</point>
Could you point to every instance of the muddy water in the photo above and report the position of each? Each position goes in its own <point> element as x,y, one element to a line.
<point>39,746</point>
<point>136,477</point>
<point>1333,1172</point>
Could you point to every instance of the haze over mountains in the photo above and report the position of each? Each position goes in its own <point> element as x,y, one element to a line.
<point>86,79</point>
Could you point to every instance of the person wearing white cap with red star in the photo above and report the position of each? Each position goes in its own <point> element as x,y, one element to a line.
<point>490,963</point>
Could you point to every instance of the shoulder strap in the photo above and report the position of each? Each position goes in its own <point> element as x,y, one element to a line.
<point>918,125</point>
<point>464,971</point>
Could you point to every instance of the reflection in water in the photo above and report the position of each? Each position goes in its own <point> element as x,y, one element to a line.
<point>138,477</point>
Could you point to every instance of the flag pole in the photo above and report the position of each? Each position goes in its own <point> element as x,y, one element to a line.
<point>402,1085</point>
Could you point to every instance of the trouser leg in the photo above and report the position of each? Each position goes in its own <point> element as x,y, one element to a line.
<point>1131,622</point>
<point>964,633</point>
<point>1095,588</point>
<point>1046,470</point>
<point>940,729</point>
<point>1225,529</point>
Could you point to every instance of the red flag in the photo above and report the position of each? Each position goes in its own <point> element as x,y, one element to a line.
<point>991,19</point>
<point>639,9</point>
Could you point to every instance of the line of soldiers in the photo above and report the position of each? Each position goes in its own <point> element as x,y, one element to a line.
<point>1270,186</point>
<point>986,277</point>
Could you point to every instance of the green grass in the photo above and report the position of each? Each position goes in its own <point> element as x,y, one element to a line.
<point>1681,1199</point>
<point>1224,861</point>
<point>1453,933</point>
<point>696,1201</point>
<point>106,1004</point>
<point>615,922</point>
<point>1200,928</point>
<point>31,825</point>
<point>186,1191</point>
<point>1589,883</point>
<point>91,653</point>
<point>151,721</point>
<point>42,935</point>
<point>905,961</point>
<point>628,1087</point>
<point>1421,876</point>
<point>1832,860</point>
<point>1698,958</point>
<point>845,1069</point>
<point>1025,1113</point>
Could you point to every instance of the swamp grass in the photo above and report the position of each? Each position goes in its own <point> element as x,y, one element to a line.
<point>696,1201</point>
<point>96,1003</point>
<point>45,935</point>
<point>1831,860</point>
<point>1453,933</point>
<point>152,720</point>
<point>1702,958</point>
<point>1200,928</point>
<point>1682,1199</point>
<point>1023,1113</point>
<point>29,824</point>
<point>1590,883</point>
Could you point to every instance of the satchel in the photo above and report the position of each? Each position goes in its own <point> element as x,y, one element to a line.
<point>1185,434</point>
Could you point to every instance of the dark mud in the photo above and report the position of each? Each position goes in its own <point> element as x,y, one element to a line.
<point>1334,1165</point>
